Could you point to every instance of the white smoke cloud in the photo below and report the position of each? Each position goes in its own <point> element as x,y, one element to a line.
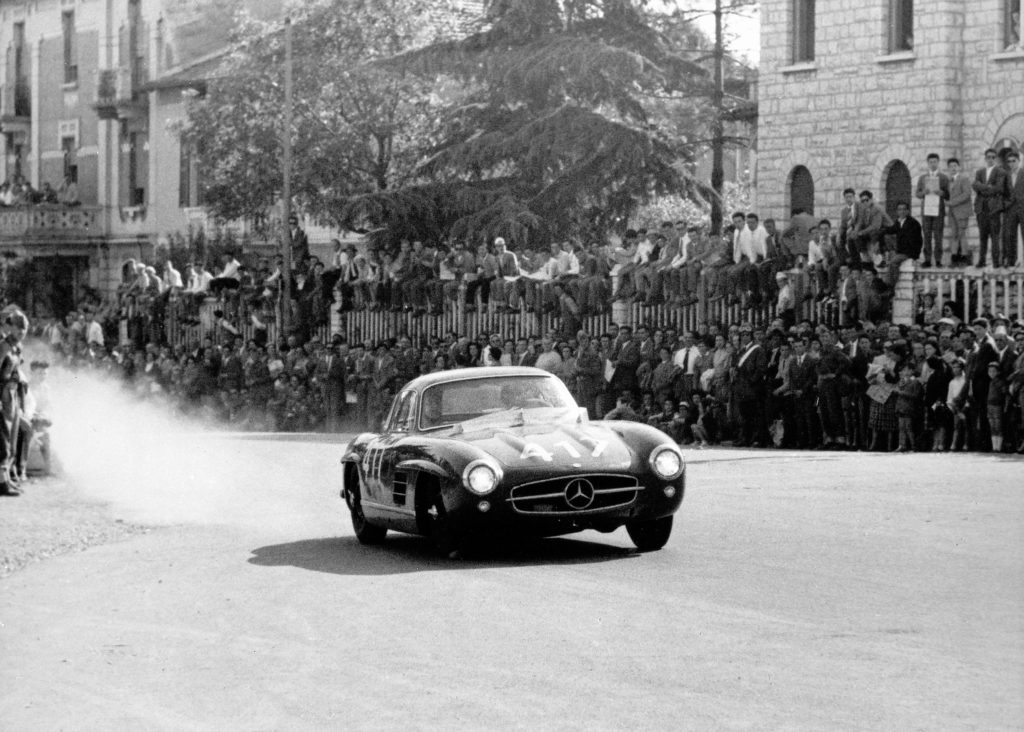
<point>158,467</point>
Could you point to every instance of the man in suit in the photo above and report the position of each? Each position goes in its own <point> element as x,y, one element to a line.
<point>868,226</point>
<point>847,218</point>
<point>907,231</point>
<point>803,379</point>
<point>933,183</point>
<point>959,207</point>
<point>335,366</point>
<point>990,185</point>
<point>832,371</point>
<point>1013,213</point>
<point>625,363</point>
<point>979,356</point>
<point>748,388</point>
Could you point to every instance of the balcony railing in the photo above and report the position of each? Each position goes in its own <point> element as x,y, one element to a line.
<point>50,222</point>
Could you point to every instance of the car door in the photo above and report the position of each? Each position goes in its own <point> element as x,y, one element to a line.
<point>380,459</point>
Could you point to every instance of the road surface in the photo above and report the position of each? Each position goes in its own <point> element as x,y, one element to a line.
<point>799,591</point>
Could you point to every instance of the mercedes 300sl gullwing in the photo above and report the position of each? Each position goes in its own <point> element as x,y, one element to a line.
<point>474,453</point>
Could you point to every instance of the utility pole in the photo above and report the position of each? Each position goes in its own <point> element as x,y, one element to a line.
<point>286,165</point>
<point>718,130</point>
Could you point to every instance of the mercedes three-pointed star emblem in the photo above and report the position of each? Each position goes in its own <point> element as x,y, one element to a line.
<point>579,494</point>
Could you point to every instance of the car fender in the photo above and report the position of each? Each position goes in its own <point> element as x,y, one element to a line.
<point>642,438</point>
<point>424,466</point>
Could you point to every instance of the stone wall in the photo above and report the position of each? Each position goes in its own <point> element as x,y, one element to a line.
<point>856,108</point>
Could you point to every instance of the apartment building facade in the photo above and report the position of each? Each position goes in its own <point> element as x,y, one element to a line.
<point>92,91</point>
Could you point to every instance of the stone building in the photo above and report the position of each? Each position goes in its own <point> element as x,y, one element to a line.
<point>856,93</point>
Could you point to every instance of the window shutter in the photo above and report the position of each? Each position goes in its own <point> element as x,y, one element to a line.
<point>123,47</point>
<point>11,77</point>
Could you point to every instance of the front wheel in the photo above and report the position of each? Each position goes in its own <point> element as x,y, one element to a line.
<point>365,532</point>
<point>649,536</point>
<point>439,528</point>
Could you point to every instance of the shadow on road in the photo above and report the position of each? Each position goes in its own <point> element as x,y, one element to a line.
<point>401,554</point>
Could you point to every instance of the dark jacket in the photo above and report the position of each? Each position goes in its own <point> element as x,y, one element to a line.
<point>908,237</point>
<point>748,383</point>
<point>991,190</point>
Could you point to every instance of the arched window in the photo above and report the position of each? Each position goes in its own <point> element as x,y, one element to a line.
<point>897,187</point>
<point>801,190</point>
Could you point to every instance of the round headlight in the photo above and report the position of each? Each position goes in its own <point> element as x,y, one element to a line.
<point>667,463</point>
<point>481,477</point>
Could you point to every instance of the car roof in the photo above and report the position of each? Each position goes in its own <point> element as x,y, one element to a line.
<point>485,372</point>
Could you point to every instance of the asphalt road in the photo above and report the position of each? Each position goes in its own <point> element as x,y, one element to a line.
<point>812,591</point>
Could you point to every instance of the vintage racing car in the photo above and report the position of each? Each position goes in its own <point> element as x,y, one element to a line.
<point>473,453</point>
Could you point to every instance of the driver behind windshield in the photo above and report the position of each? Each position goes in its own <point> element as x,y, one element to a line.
<point>430,412</point>
<point>524,394</point>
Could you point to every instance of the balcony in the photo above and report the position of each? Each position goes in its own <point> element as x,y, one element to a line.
<point>16,107</point>
<point>45,223</point>
<point>119,95</point>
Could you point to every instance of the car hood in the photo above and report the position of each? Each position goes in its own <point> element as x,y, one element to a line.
<point>573,446</point>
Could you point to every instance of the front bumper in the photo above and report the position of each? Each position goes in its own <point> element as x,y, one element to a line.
<point>500,512</point>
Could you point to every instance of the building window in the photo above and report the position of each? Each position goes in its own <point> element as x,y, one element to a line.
<point>803,30</point>
<point>190,187</point>
<point>901,25</point>
<point>184,178</point>
<point>70,47</point>
<point>17,75</point>
<point>69,148</point>
<point>897,187</point>
<point>1013,29</point>
<point>134,166</point>
<point>801,190</point>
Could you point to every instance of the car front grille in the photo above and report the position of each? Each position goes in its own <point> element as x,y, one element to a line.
<point>568,495</point>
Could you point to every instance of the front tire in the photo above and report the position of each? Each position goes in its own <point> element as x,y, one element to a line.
<point>365,532</point>
<point>651,535</point>
<point>439,528</point>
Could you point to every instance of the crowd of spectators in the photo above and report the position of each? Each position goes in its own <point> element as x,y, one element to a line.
<point>849,262</point>
<point>19,192</point>
<point>853,379</point>
<point>931,386</point>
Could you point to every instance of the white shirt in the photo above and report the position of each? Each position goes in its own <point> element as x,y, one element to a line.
<point>94,334</point>
<point>569,263</point>
<point>686,359</point>
<point>643,252</point>
<point>785,301</point>
<point>172,277</point>
<point>680,259</point>
<point>231,269</point>
<point>814,253</point>
<point>489,360</point>
<point>956,385</point>
<point>749,244</point>
<point>199,282</point>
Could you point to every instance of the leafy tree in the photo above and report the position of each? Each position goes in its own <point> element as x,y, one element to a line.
<point>560,125</point>
<point>357,127</point>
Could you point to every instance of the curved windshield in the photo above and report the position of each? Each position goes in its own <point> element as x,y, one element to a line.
<point>458,401</point>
